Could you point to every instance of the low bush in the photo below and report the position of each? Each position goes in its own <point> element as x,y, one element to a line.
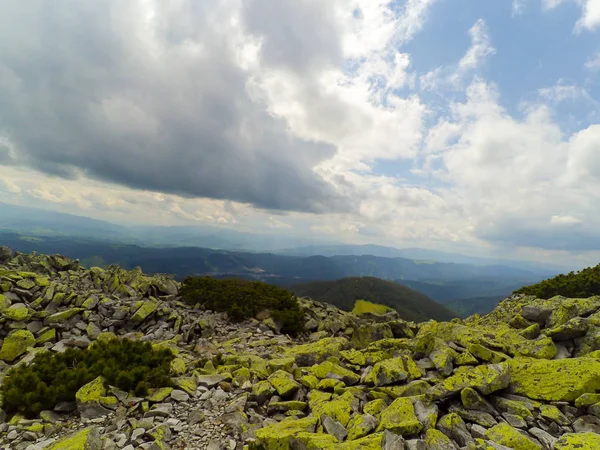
<point>242,299</point>
<point>56,377</point>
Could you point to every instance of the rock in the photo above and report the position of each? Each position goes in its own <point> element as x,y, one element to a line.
<point>400,418</point>
<point>279,435</point>
<point>504,434</point>
<point>143,311</point>
<point>180,396</point>
<point>392,441</point>
<point>86,439</point>
<point>484,379</point>
<point>471,399</point>
<point>436,440</point>
<point>586,424</point>
<point>579,441</point>
<point>310,354</point>
<point>334,428</point>
<point>361,425</point>
<point>17,312</point>
<point>61,317</point>
<point>327,369</point>
<point>283,383</point>
<point>394,370</point>
<point>454,427</point>
<point>16,344</point>
<point>574,328</point>
<point>536,313</point>
<point>546,439</point>
<point>210,381</point>
<point>88,399</point>
<point>537,379</point>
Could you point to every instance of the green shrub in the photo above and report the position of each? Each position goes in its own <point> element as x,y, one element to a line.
<point>55,377</point>
<point>242,299</point>
<point>582,284</point>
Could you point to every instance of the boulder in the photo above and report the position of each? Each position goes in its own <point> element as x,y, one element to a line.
<point>16,344</point>
<point>86,439</point>
<point>484,379</point>
<point>88,399</point>
<point>400,417</point>
<point>504,434</point>
<point>556,380</point>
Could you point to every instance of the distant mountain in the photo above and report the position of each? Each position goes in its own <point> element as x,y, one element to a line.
<point>41,222</point>
<point>342,293</point>
<point>477,305</point>
<point>421,254</point>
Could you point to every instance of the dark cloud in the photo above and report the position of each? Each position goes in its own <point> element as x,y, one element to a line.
<point>103,90</point>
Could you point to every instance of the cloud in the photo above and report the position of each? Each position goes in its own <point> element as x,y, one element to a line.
<point>593,63</point>
<point>454,77</point>
<point>590,12</point>
<point>153,96</point>
<point>518,7</point>
<point>520,181</point>
<point>562,93</point>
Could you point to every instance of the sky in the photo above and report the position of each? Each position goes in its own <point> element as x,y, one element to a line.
<point>461,125</point>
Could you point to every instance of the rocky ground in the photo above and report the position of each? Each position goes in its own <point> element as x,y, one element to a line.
<point>526,376</point>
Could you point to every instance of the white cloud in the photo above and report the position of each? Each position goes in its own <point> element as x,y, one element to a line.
<point>518,7</point>
<point>454,77</point>
<point>565,220</point>
<point>560,93</point>
<point>593,63</point>
<point>590,12</point>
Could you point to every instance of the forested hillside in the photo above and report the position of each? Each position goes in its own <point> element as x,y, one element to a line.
<point>582,284</point>
<point>411,305</point>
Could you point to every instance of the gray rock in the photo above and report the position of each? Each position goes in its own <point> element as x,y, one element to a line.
<point>477,431</point>
<point>160,410</point>
<point>416,444</point>
<point>392,441</point>
<point>536,313</point>
<point>587,424</point>
<point>210,381</point>
<point>334,428</point>
<point>458,432</point>
<point>546,439</point>
<point>180,396</point>
<point>514,420</point>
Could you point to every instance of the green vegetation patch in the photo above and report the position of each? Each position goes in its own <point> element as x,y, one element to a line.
<point>582,284</point>
<point>365,307</point>
<point>243,299</point>
<point>55,377</point>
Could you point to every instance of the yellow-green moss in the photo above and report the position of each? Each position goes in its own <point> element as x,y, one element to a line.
<point>364,307</point>
<point>556,380</point>
<point>578,441</point>
<point>504,434</point>
<point>76,441</point>
<point>400,418</point>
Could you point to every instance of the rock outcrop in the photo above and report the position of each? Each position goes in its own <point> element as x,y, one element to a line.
<point>526,376</point>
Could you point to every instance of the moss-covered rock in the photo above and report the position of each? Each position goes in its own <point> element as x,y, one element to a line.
<point>17,312</point>
<point>484,379</point>
<point>327,369</point>
<point>62,316</point>
<point>278,436</point>
<point>436,440</point>
<point>394,370</point>
<point>144,310</point>
<point>361,425</point>
<point>578,441</point>
<point>16,344</point>
<point>556,380</point>
<point>316,352</point>
<point>283,383</point>
<point>400,418</point>
<point>86,439</point>
<point>504,434</point>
